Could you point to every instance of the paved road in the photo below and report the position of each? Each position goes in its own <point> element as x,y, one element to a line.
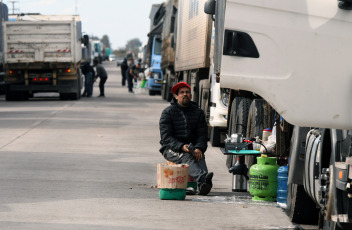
<point>91,164</point>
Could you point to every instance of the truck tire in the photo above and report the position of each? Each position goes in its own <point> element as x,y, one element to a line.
<point>232,127</point>
<point>10,96</point>
<point>169,84</point>
<point>16,95</point>
<point>164,85</point>
<point>238,120</point>
<point>255,126</point>
<point>64,96</point>
<point>151,92</point>
<point>204,95</point>
<point>300,207</point>
<point>340,205</point>
<point>255,123</point>
<point>242,116</point>
<point>215,136</point>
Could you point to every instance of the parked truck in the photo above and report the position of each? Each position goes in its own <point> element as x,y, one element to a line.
<point>187,45</point>
<point>97,50</point>
<point>3,17</point>
<point>288,63</point>
<point>153,50</point>
<point>42,53</point>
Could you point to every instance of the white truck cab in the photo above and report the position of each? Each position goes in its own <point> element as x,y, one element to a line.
<point>288,62</point>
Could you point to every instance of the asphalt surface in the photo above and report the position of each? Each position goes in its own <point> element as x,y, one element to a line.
<point>91,164</point>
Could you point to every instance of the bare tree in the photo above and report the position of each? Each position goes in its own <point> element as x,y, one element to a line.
<point>106,42</point>
<point>132,45</point>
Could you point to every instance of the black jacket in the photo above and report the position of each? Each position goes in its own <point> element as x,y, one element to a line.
<point>180,126</point>
<point>86,68</point>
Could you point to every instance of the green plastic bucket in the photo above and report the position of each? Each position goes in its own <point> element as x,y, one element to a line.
<point>263,179</point>
<point>172,194</point>
<point>144,81</point>
<point>192,185</point>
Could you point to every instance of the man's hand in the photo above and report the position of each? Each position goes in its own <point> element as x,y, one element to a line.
<point>198,154</point>
<point>185,149</point>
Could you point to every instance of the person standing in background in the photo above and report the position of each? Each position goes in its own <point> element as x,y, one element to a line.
<point>101,73</point>
<point>132,74</point>
<point>89,73</point>
<point>124,67</point>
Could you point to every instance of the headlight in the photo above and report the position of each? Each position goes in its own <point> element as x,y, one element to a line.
<point>225,96</point>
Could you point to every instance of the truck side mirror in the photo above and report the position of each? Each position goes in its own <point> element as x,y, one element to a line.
<point>85,40</point>
<point>209,7</point>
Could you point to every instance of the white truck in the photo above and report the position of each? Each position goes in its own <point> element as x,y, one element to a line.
<point>187,46</point>
<point>292,59</point>
<point>42,53</point>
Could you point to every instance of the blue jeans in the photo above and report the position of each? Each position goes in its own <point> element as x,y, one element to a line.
<point>88,84</point>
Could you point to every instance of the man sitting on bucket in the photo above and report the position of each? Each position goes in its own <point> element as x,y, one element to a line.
<point>184,135</point>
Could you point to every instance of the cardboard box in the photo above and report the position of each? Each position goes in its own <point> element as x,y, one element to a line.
<point>172,176</point>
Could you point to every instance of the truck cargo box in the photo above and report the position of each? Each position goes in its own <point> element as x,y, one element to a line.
<point>193,36</point>
<point>54,39</point>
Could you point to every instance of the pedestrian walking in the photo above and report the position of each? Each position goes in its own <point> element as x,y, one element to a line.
<point>101,73</point>
<point>184,135</point>
<point>89,75</point>
<point>124,67</point>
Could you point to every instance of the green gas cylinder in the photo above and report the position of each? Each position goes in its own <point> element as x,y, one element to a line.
<point>263,179</point>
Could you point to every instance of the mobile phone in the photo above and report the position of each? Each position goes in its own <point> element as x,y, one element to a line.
<point>190,147</point>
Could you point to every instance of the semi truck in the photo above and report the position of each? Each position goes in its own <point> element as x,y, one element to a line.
<point>187,47</point>
<point>42,53</point>
<point>153,50</point>
<point>286,64</point>
<point>3,17</point>
<point>97,50</point>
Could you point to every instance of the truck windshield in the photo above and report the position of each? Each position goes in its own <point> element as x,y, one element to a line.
<point>157,46</point>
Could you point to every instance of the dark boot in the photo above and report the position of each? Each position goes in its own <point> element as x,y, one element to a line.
<point>208,178</point>
<point>204,189</point>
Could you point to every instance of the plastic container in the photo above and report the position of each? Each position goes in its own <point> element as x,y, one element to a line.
<point>266,133</point>
<point>192,183</point>
<point>282,174</point>
<point>172,194</point>
<point>263,179</point>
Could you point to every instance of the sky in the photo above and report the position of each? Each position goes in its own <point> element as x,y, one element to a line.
<point>121,20</point>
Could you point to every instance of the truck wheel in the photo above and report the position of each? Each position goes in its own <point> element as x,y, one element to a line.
<point>300,207</point>
<point>65,96</point>
<point>238,120</point>
<point>215,136</point>
<point>170,82</point>
<point>80,82</point>
<point>204,95</point>
<point>74,96</point>
<point>255,123</point>
<point>231,128</point>
<point>331,204</point>
<point>10,96</point>
<point>255,126</point>
<point>16,95</point>
<point>164,86</point>
<point>242,116</point>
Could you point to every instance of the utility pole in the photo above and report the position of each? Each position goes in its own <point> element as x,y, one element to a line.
<point>13,6</point>
<point>76,8</point>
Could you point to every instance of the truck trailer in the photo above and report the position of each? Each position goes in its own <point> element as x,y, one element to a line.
<point>187,47</point>
<point>3,17</point>
<point>153,50</point>
<point>287,65</point>
<point>42,53</point>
